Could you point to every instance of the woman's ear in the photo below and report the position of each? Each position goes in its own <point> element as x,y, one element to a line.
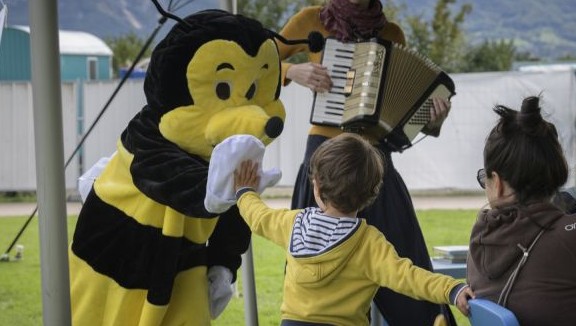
<point>501,187</point>
<point>497,184</point>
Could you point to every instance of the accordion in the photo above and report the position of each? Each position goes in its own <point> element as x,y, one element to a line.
<point>380,88</point>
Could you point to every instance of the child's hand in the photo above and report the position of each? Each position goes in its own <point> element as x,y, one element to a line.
<point>246,175</point>
<point>462,300</point>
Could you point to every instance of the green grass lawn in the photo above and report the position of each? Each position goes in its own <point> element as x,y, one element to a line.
<point>20,291</point>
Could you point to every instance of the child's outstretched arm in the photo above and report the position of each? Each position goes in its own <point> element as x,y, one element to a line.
<point>460,296</point>
<point>246,176</point>
<point>272,224</point>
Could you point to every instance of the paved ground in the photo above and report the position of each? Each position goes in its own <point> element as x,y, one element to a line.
<point>420,202</point>
<point>281,198</point>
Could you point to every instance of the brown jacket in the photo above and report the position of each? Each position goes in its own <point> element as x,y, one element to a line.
<point>544,293</point>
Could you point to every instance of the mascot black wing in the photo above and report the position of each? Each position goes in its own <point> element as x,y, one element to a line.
<point>144,241</point>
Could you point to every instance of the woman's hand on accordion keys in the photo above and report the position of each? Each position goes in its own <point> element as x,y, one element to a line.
<point>311,75</point>
<point>438,113</point>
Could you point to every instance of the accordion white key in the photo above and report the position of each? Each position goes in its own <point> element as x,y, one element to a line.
<point>380,88</point>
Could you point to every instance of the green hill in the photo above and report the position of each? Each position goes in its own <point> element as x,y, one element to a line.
<point>543,28</point>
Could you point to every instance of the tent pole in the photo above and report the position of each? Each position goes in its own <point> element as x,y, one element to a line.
<point>49,150</point>
<point>249,288</point>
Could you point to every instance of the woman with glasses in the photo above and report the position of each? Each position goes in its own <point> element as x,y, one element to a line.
<point>523,248</point>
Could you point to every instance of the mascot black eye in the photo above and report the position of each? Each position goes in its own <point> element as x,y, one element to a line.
<point>223,90</point>
<point>251,91</point>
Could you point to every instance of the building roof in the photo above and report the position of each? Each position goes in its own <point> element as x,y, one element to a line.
<point>76,42</point>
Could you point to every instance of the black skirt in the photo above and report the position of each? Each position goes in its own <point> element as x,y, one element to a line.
<point>393,214</point>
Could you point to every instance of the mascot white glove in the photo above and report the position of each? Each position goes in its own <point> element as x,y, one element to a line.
<point>226,156</point>
<point>221,289</point>
<point>86,180</point>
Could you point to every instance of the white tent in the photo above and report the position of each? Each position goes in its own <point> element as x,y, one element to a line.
<point>450,161</point>
<point>77,42</point>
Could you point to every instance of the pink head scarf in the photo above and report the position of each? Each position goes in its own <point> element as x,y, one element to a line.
<point>347,21</point>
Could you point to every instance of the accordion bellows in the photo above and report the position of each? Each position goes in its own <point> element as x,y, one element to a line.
<point>380,88</point>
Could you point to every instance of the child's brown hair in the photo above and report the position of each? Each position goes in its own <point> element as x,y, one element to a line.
<point>348,171</point>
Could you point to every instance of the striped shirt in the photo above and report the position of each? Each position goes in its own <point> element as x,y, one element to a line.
<point>315,233</point>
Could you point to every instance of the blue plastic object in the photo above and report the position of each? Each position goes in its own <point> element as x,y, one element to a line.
<point>487,313</point>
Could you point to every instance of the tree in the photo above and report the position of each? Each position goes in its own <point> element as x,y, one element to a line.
<point>442,38</point>
<point>490,56</point>
<point>125,49</point>
<point>567,58</point>
<point>392,10</point>
<point>272,14</point>
<point>526,56</point>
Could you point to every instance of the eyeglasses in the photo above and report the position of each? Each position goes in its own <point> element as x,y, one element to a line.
<point>481,177</point>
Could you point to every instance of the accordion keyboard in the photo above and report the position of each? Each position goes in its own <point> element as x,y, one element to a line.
<point>379,88</point>
<point>328,107</point>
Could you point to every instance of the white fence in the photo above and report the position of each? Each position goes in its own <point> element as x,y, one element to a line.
<point>17,156</point>
<point>447,162</point>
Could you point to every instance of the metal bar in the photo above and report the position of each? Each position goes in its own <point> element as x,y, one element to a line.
<point>249,289</point>
<point>49,149</point>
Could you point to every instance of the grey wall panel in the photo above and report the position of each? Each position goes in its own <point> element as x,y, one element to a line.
<point>447,162</point>
<point>70,132</point>
<point>17,155</point>
<point>103,138</point>
<point>16,138</point>
<point>287,151</point>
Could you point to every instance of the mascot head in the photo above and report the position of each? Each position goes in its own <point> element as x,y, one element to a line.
<point>213,76</point>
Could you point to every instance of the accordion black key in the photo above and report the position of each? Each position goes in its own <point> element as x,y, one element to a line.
<point>380,88</point>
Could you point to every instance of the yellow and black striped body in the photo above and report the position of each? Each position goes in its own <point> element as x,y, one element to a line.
<point>140,262</point>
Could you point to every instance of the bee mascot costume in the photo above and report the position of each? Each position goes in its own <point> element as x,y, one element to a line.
<point>152,246</point>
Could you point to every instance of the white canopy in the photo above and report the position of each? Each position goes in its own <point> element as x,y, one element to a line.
<point>75,42</point>
<point>452,160</point>
<point>449,162</point>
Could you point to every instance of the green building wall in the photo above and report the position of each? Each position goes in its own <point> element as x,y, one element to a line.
<point>15,55</point>
<point>15,60</point>
<point>75,67</point>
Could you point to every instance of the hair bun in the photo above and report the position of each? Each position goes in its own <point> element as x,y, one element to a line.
<point>530,119</point>
<point>530,105</point>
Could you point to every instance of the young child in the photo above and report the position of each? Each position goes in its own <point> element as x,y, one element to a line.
<point>336,262</point>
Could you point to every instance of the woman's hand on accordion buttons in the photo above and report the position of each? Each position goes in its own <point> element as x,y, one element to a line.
<point>438,113</point>
<point>311,75</point>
